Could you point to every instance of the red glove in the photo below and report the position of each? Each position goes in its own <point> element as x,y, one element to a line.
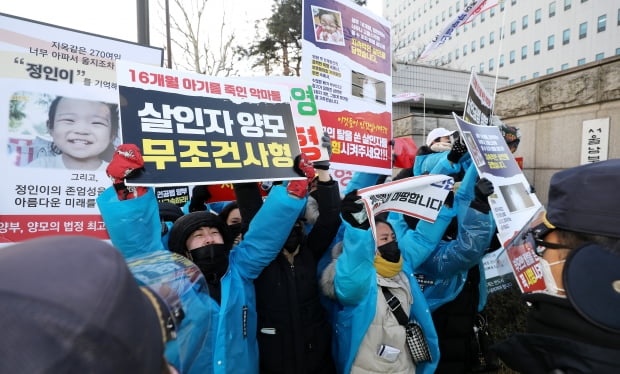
<point>127,159</point>
<point>303,167</point>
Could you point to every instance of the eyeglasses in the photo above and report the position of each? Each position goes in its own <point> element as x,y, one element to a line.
<point>537,233</point>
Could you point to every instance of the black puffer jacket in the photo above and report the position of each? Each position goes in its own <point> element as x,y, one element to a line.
<point>294,335</point>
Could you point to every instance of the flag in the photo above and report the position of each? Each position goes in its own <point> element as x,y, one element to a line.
<point>406,96</point>
<point>467,15</point>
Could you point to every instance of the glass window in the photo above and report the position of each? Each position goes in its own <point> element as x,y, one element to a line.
<point>581,61</point>
<point>458,5</point>
<point>601,23</point>
<point>618,16</point>
<point>617,51</point>
<point>599,56</point>
<point>551,9</point>
<point>511,81</point>
<point>524,22</point>
<point>536,74</point>
<point>549,70</point>
<point>565,36</point>
<point>501,61</point>
<point>567,4</point>
<point>513,2</point>
<point>551,42</point>
<point>512,56</point>
<point>457,53</point>
<point>537,47</point>
<point>491,64</point>
<point>513,27</point>
<point>492,12</point>
<point>450,12</point>
<point>481,70</point>
<point>491,37</point>
<point>483,16</point>
<point>465,50</point>
<point>537,15</point>
<point>564,66</point>
<point>481,42</point>
<point>473,46</point>
<point>583,30</point>
<point>524,52</point>
<point>502,6</point>
<point>523,78</point>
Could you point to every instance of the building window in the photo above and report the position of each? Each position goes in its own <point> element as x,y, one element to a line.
<point>523,78</point>
<point>524,22</point>
<point>618,16</point>
<point>565,36</point>
<point>481,70</point>
<point>617,51</point>
<point>564,66</point>
<point>511,81</point>
<point>481,42</point>
<point>450,12</point>
<point>601,23</point>
<point>513,2</point>
<point>483,16</point>
<point>465,50</point>
<point>551,9</point>
<point>567,4</point>
<point>583,30</point>
<point>501,61</point>
<point>536,74</point>
<point>524,52</point>
<point>550,42</point>
<point>512,56</point>
<point>492,37</point>
<point>457,53</point>
<point>502,6</point>
<point>492,12</point>
<point>599,56</point>
<point>491,64</point>
<point>581,61</point>
<point>549,70</point>
<point>537,15</point>
<point>513,27</point>
<point>458,5</point>
<point>473,46</point>
<point>536,47</point>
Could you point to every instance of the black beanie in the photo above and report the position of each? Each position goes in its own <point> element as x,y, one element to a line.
<point>169,212</point>
<point>187,224</point>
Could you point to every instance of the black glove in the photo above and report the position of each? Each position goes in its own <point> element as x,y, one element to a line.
<point>200,194</point>
<point>326,142</point>
<point>484,188</point>
<point>457,151</point>
<point>352,210</point>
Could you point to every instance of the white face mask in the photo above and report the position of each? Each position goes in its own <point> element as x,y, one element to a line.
<point>550,286</point>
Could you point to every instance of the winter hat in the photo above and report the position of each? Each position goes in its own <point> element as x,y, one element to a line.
<point>437,133</point>
<point>70,304</point>
<point>186,225</point>
<point>169,212</point>
<point>585,199</point>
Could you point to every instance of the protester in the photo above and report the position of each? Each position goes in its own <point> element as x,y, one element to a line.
<point>369,338</point>
<point>71,305</point>
<point>82,132</point>
<point>573,326</point>
<point>203,238</point>
<point>440,155</point>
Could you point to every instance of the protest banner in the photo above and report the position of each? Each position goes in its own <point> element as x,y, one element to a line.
<point>54,176</point>
<point>478,104</point>
<point>419,197</point>
<point>195,129</point>
<point>346,55</point>
<point>515,209</point>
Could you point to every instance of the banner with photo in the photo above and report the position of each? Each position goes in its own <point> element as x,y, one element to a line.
<point>196,129</point>
<point>59,115</point>
<point>421,197</point>
<point>346,55</point>
<point>514,207</point>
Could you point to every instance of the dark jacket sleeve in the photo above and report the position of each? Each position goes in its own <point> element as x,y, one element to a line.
<point>326,227</point>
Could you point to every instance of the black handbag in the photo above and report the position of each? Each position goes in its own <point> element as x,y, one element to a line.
<point>416,341</point>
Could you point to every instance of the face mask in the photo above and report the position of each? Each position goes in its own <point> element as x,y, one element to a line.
<point>441,147</point>
<point>235,229</point>
<point>212,260</point>
<point>550,285</point>
<point>295,238</point>
<point>390,251</point>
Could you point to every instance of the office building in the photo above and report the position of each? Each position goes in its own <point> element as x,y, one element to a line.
<point>539,37</point>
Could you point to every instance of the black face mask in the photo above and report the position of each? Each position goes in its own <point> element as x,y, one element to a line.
<point>390,251</point>
<point>212,260</point>
<point>235,229</point>
<point>294,238</point>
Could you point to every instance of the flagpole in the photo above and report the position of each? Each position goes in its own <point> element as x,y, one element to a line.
<point>499,53</point>
<point>424,117</point>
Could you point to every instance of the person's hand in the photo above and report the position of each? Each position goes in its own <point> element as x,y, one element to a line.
<point>303,167</point>
<point>484,188</point>
<point>352,210</point>
<point>457,151</point>
<point>200,194</point>
<point>126,162</point>
<point>326,142</point>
